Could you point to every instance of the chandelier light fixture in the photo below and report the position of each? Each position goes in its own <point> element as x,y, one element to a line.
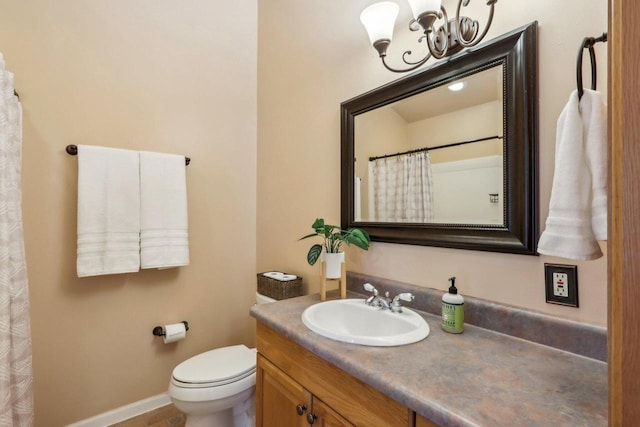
<point>442,41</point>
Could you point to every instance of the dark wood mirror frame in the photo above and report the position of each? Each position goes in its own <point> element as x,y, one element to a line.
<point>517,52</point>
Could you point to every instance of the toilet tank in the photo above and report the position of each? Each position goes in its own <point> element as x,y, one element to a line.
<point>263,299</point>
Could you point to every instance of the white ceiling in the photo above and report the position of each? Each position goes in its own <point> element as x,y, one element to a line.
<point>479,88</point>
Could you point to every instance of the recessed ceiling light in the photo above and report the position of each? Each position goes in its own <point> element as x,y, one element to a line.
<point>456,86</point>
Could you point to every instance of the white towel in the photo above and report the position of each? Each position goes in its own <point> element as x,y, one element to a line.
<point>164,239</point>
<point>594,118</point>
<point>569,230</point>
<point>108,211</point>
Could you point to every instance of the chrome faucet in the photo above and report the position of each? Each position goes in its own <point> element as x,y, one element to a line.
<point>396,307</point>
<point>376,300</point>
<point>384,302</point>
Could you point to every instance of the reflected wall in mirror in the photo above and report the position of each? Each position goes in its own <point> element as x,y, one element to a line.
<point>423,164</point>
<point>435,157</point>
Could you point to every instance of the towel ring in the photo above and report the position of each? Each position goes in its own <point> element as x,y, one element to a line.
<point>587,43</point>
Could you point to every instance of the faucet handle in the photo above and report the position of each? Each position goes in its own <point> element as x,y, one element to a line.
<point>369,288</point>
<point>396,307</point>
<point>405,296</point>
<point>373,298</point>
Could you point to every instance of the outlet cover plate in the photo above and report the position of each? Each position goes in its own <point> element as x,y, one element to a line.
<point>570,288</point>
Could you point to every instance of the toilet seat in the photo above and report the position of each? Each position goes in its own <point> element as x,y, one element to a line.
<point>215,368</point>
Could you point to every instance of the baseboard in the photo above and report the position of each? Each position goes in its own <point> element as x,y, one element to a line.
<point>125,412</point>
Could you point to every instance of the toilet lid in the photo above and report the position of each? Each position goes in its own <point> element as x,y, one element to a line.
<point>215,366</point>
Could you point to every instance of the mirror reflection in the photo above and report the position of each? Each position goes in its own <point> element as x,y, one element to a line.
<point>434,157</point>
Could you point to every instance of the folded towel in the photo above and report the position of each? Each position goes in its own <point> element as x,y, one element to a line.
<point>594,117</point>
<point>164,239</point>
<point>569,232</point>
<point>108,211</point>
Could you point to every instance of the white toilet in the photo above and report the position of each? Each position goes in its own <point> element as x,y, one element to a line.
<point>216,388</point>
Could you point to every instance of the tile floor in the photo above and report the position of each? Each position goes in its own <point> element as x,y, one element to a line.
<point>166,416</point>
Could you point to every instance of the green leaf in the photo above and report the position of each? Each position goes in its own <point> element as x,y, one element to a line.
<point>318,225</point>
<point>308,235</point>
<point>314,254</point>
<point>328,230</point>
<point>358,237</point>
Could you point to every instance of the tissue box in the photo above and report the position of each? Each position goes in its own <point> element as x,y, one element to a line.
<point>278,289</point>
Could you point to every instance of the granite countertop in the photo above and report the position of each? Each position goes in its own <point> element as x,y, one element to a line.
<point>477,378</point>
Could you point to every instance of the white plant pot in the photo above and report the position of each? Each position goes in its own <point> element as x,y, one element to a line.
<point>333,264</point>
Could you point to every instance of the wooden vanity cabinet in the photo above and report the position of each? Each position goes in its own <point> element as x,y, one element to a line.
<point>327,416</point>
<point>283,402</point>
<point>294,386</point>
<point>280,401</point>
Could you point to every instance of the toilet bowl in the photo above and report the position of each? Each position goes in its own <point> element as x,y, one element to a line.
<point>216,388</point>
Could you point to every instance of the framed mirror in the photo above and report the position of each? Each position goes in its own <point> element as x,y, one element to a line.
<point>426,164</point>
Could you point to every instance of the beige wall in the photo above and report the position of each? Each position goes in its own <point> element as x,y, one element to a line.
<point>311,57</point>
<point>154,75</point>
<point>480,121</point>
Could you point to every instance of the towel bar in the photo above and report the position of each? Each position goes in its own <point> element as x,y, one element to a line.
<point>159,330</point>
<point>73,150</point>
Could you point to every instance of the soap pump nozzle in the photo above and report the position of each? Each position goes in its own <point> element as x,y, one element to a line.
<point>452,288</point>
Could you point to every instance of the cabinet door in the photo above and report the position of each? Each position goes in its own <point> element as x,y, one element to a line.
<point>356,401</point>
<point>280,401</point>
<point>324,416</point>
<point>423,422</point>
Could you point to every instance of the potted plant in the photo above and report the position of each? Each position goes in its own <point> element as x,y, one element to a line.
<point>333,238</point>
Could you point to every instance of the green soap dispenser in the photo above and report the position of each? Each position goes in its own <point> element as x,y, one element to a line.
<point>453,310</point>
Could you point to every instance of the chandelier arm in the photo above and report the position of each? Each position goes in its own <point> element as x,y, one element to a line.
<point>446,20</point>
<point>439,54</point>
<point>475,39</point>
<point>420,62</point>
<point>396,70</point>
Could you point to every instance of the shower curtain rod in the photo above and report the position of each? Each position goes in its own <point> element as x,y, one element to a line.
<point>73,150</point>
<point>419,150</point>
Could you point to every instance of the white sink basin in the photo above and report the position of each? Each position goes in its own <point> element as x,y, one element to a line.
<point>352,321</point>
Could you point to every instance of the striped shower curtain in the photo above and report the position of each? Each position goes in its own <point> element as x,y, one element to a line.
<point>401,188</point>
<point>16,392</point>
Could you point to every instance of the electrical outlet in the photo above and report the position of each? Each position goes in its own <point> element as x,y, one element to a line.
<point>561,284</point>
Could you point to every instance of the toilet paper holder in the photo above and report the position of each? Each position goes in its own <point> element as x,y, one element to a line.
<point>159,330</point>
